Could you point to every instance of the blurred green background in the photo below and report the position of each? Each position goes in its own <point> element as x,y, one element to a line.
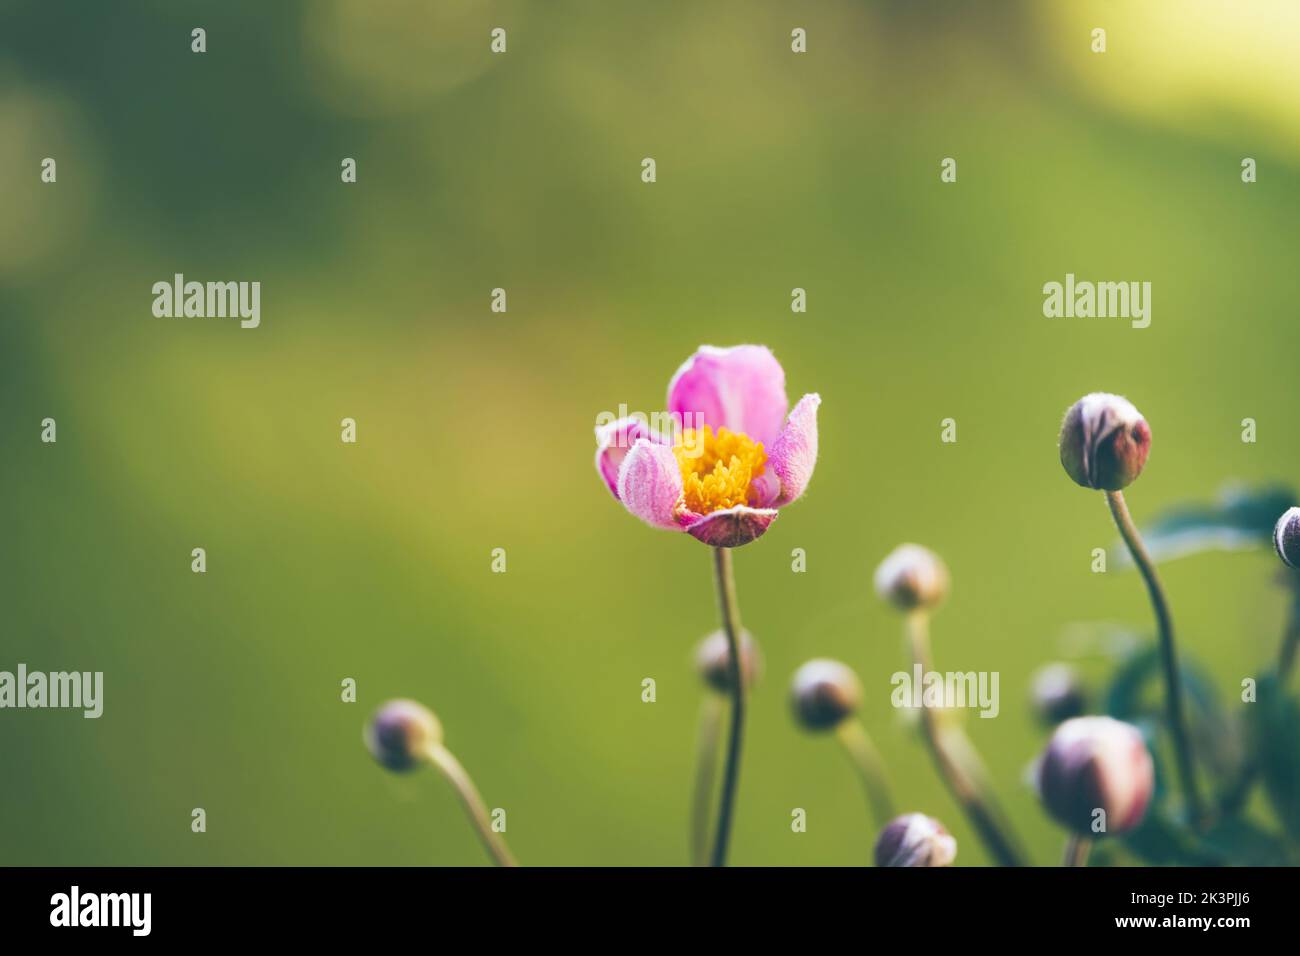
<point>522,170</point>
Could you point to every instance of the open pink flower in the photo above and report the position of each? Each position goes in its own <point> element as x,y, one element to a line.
<point>735,461</point>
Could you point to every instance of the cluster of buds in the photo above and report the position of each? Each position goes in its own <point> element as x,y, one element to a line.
<point>1096,776</point>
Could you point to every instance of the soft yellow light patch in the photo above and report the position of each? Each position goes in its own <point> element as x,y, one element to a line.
<point>719,476</point>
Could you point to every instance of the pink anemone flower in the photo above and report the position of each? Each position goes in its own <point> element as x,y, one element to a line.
<point>734,459</point>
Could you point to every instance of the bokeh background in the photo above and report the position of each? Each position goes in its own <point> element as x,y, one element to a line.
<point>372,561</point>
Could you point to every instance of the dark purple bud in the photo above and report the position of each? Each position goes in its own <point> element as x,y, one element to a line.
<point>713,661</point>
<point>1096,776</point>
<point>1286,537</point>
<point>912,577</point>
<point>1058,694</point>
<point>823,693</point>
<point>401,734</point>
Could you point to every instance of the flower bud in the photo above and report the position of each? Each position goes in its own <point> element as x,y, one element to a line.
<point>1104,442</point>
<point>915,840</point>
<point>823,693</point>
<point>1286,537</point>
<point>912,577</point>
<point>401,733</point>
<point>1096,763</point>
<point>713,661</point>
<point>1058,693</point>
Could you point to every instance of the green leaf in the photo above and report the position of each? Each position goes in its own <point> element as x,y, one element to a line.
<point>1122,698</point>
<point>1238,842</point>
<point>1217,737</point>
<point>1163,840</point>
<point>1275,733</point>
<point>1136,692</point>
<point>1241,519</point>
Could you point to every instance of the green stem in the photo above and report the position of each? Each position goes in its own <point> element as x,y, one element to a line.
<point>1168,654</point>
<point>726,584</point>
<point>456,775</point>
<point>983,817</point>
<point>706,759</point>
<point>866,758</point>
<point>1076,851</point>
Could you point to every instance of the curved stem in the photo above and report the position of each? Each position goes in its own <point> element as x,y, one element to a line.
<point>726,583</point>
<point>1076,850</point>
<point>451,768</point>
<point>1168,654</point>
<point>992,831</point>
<point>866,758</point>
<point>706,759</point>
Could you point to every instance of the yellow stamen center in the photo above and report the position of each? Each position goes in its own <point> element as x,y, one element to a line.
<point>717,469</point>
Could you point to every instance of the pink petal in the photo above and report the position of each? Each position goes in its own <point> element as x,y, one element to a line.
<point>732,527</point>
<point>765,489</point>
<point>614,440</point>
<point>794,453</point>
<point>650,484</point>
<point>740,388</point>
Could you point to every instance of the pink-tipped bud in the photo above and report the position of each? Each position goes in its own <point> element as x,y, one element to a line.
<point>1104,442</point>
<point>915,840</point>
<point>713,661</point>
<point>1286,537</point>
<point>401,734</point>
<point>1096,776</point>
<point>823,693</point>
<point>912,577</point>
<point>1058,694</point>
